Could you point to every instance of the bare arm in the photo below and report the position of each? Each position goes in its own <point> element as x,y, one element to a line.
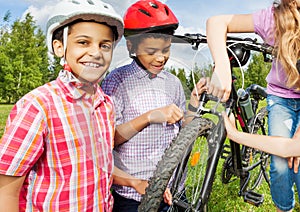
<point>217,28</point>
<point>283,147</point>
<point>169,114</point>
<point>122,178</point>
<point>10,187</point>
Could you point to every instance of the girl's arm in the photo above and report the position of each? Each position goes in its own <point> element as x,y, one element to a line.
<point>217,28</point>
<point>283,147</point>
<point>10,187</point>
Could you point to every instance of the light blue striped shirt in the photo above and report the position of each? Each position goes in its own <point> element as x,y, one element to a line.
<point>134,93</point>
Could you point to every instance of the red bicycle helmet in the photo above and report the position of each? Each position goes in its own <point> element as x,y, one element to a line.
<point>148,16</point>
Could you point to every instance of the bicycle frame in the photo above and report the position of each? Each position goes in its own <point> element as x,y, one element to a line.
<point>217,138</point>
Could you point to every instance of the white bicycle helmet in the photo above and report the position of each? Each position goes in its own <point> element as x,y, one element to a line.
<point>66,12</point>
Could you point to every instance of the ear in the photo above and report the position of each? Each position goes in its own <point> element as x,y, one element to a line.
<point>131,49</point>
<point>58,48</point>
<point>129,45</point>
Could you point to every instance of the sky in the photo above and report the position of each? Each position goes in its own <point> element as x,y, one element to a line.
<point>192,14</point>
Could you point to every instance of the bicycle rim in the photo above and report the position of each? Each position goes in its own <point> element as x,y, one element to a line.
<point>173,157</point>
<point>187,186</point>
<point>255,160</point>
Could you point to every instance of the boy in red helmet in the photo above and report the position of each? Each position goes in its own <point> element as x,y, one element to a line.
<point>150,102</point>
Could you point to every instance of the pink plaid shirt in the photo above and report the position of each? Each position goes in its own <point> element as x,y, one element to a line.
<point>62,140</point>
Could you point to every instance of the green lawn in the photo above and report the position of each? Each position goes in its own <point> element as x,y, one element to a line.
<point>4,111</point>
<point>223,198</point>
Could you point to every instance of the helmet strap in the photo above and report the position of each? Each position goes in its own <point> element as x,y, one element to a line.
<point>63,60</point>
<point>150,75</point>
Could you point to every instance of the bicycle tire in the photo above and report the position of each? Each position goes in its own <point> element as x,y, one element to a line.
<point>252,155</point>
<point>171,159</point>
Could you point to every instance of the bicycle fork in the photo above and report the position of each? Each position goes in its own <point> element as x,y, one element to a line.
<point>215,143</point>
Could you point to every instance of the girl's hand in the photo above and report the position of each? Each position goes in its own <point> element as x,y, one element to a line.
<point>220,84</point>
<point>229,125</point>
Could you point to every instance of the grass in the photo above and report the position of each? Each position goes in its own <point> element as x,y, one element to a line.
<point>4,111</point>
<point>224,197</point>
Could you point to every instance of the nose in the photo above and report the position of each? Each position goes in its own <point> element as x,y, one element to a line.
<point>160,57</point>
<point>95,51</point>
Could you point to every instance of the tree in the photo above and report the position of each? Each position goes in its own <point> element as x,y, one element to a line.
<point>256,72</point>
<point>23,59</point>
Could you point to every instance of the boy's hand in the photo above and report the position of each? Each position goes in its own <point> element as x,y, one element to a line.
<point>197,91</point>
<point>169,114</point>
<point>167,196</point>
<point>140,186</point>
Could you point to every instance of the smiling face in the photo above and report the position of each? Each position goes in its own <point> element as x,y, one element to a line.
<point>89,50</point>
<point>153,53</point>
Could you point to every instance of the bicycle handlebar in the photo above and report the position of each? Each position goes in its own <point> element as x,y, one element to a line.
<point>247,43</point>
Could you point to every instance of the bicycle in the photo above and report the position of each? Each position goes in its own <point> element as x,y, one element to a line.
<point>193,156</point>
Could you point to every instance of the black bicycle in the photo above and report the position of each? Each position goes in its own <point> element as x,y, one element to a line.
<point>192,158</point>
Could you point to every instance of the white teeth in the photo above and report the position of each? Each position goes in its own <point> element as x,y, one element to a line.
<point>93,65</point>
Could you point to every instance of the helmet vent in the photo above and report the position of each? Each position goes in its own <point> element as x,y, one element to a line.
<point>90,2</point>
<point>75,2</point>
<point>167,11</point>
<point>145,12</point>
<point>153,5</point>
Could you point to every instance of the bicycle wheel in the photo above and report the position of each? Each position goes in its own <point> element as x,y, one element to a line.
<point>172,159</point>
<point>254,160</point>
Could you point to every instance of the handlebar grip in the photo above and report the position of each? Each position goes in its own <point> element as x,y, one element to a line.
<point>257,89</point>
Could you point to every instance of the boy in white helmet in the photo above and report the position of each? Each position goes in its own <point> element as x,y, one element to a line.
<point>56,152</point>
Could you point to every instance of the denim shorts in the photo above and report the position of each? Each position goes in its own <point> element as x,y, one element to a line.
<point>284,118</point>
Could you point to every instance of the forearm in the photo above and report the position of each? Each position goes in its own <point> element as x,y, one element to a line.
<point>283,147</point>
<point>122,178</point>
<point>10,193</point>
<point>129,129</point>
<point>216,32</point>
<point>9,203</point>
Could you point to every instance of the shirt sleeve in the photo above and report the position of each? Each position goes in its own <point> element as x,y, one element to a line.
<point>111,86</point>
<point>264,24</point>
<point>22,142</point>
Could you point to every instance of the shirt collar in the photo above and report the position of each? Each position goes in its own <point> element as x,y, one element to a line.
<point>72,88</point>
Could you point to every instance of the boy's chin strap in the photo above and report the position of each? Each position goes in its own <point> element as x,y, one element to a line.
<point>67,67</point>
<point>150,75</point>
<point>82,84</point>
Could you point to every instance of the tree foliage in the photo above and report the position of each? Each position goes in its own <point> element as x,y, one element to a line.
<point>254,73</point>
<point>23,58</point>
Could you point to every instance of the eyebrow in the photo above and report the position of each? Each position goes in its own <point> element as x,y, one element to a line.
<point>85,36</point>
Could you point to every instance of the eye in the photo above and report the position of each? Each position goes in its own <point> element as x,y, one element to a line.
<point>151,52</point>
<point>165,51</point>
<point>82,42</point>
<point>106,46</point>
